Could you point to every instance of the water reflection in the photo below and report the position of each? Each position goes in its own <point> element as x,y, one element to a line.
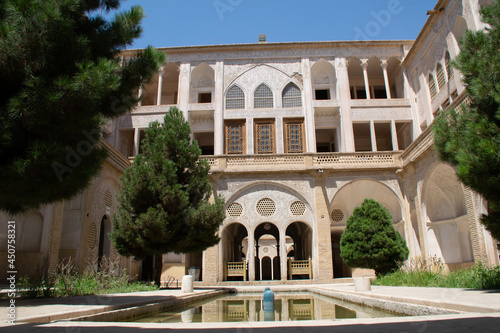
<point>249,307</point>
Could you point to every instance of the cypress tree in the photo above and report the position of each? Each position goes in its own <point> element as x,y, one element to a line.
<point>61,78</point>
<point>469,138</point>
<point>370,240</point>
<point>164,198</point>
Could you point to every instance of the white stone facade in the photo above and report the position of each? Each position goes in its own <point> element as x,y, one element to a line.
<point>299,134</point>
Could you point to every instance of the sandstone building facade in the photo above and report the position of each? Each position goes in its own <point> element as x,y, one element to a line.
<point>297,136</point>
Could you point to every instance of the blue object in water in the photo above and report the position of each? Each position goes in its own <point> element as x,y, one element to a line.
<point>268,300</point>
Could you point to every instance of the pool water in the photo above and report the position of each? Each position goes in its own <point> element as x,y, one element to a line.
<point>249,307</point>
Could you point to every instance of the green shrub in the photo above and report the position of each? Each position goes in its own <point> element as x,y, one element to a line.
<point>475,277</point>
<point>370,240</point>
<point>104,277</point>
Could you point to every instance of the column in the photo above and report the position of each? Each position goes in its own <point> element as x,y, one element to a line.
<point>183,95</point>
<point>219,109</point>
<point>409,93</point>
<point>251,257</point>
<point>364,65</point>
<point>386,79</point>
<point>308,107</point>
<point>373,136</point>
<point>283,255</point>
<point>55,235</point>
<point>322,242</point>
<point>209,264</point>
<point>394,135</point>
<point>160,84</point>
<point>346,133</point>
<point>137,140</point>
<point>139,95</point>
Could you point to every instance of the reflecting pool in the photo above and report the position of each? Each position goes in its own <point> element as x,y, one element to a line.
<point>249,307</point>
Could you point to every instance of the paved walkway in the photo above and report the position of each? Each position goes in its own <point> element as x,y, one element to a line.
<point>481,312</point>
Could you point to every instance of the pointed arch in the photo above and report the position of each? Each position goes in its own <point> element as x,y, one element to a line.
<point>324,80</point>
<point>292,96</point>
<point>263,97</point>
<point>235,98</point>
<point>440,76</point>
<point>432,86</point>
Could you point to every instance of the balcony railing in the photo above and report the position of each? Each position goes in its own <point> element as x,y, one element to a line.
<point>297,162</point>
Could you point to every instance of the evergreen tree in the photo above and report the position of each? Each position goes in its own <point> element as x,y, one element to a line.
<point>370,240</point>
<point>164,199</point>
<point>469,138</point>
<point>60,78</point>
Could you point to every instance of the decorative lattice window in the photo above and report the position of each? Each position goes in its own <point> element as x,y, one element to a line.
<point>432,86</point>
<point>298,208</point>
<point>108,199</point>
<point>440,76</point>
<point>235,98</point>
<point>266,207</point>
<point>263,98</point>
<point>234,209</point>
<point>449,68</point>
<point>292,97</point>
<point>92,235</point>
<point>235,137</point>
<point>264,137</point>
<point>337,215</point>
<point>294,136</point>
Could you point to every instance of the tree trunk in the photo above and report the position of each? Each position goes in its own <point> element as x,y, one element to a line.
<point>158,268</point>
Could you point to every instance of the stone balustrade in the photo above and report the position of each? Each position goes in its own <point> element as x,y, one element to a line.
<point>297,162</point>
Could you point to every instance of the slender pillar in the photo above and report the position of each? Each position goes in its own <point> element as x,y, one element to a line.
<point>322,242</point>
<point>283,256</point>
<point>251,257</point>
<point>414,107</point>
<point>160,84</point>
<point>364,65</point>
<point>139,95</point>
<point>219,109</point>
<point>184,82</point>
<point>394,135</point>
<point>137,140</point>
<point>308,107</point>
<point>373,136</point>
<point>386,79</point>
<point>346,133</point>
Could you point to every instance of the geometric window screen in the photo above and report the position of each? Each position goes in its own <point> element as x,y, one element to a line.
<point>432,86</point>
<point>235,98</point>
<point>292,97</point>
<point>337,215</point>
<point>298,208</point>
<point>263,97</point>
<point>92,235</point>
<point>264,132</point>
<point>108,199</point>
<point>234,209</point>
<point>266,207</point>
<point>294,142</point>
<point>235,137</point>
<point>440,76</point>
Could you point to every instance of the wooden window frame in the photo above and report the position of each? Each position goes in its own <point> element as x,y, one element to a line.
<point>286,123</point>
<point>243,134</point>
<point>257,123</point>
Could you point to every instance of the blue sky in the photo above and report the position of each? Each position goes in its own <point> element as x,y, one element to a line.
<point>207,22</point>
